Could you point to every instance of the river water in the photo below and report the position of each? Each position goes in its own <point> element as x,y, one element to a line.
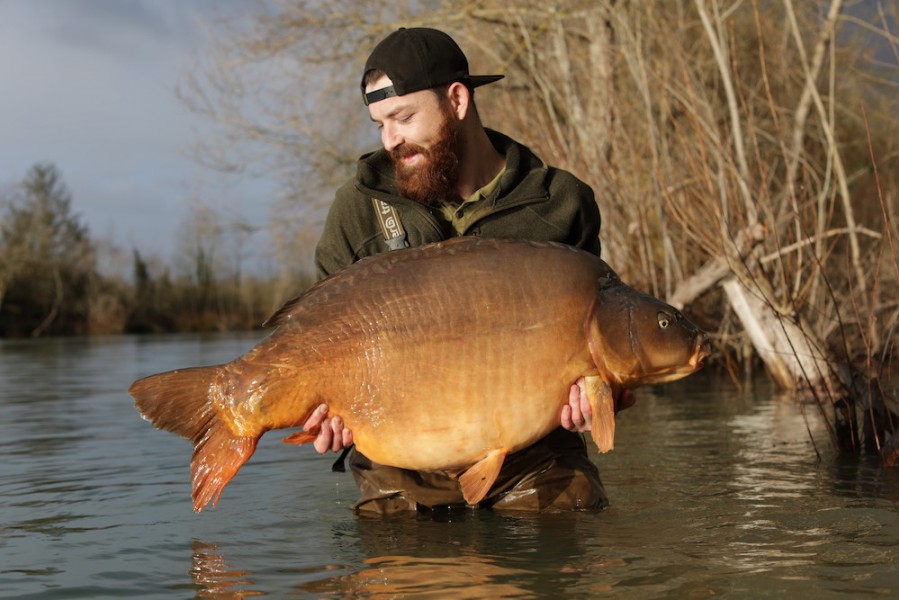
<point>716,492</point>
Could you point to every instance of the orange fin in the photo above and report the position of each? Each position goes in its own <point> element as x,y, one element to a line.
<point>216,460</point>
<point>477,480</point>
<point>602,403</point>
<point>301,437</point>
<point>179,401</point>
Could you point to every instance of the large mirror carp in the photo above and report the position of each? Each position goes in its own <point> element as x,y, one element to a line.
<point>445,357</point>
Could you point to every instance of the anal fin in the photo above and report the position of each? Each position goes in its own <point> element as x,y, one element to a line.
<point>602,403</point>
<point>477,480</point>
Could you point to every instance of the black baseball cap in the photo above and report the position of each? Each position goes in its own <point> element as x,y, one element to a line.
<point>416,59</point>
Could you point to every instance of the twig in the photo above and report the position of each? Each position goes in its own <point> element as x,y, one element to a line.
<point>816,238</point>
<point>810,95</point>
<point>733,109</point>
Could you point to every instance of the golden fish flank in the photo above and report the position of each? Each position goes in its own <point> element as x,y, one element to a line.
<point>445,357</point>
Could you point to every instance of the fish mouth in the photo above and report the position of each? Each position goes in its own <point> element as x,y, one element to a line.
<point>702,349</point>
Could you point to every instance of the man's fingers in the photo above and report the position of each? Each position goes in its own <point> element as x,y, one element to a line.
<point>337,434</point>
<point>567,423</point>
<point>573,418</point>
<point>576,414</point>
<point>315,419</point>
<point>325,437</point>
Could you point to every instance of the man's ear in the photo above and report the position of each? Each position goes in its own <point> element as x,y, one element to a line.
<point>459,97</point>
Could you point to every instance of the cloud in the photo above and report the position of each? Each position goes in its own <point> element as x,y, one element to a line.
<point>89,86</point>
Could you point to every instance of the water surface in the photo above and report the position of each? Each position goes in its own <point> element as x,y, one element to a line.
<point>715,492</point>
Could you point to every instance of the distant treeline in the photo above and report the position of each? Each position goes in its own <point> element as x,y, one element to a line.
<point>50,283</point>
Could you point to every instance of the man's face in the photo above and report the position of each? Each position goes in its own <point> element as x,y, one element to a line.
<point>420,133</point>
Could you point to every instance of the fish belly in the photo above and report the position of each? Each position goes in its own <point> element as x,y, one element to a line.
<point>463,406</point>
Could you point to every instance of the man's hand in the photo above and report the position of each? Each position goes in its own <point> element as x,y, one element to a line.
<point>333,434</point>
<point>577,415</point>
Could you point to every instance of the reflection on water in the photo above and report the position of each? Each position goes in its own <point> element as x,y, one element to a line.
<point>714,492</point>
<point>403,576</point>
<point>476,555</point>
<point>215,578</point>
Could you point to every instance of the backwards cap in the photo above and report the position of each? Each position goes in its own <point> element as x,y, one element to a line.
<point>416,59</point>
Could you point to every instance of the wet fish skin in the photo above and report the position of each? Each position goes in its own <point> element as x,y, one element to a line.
<point>444,357</point>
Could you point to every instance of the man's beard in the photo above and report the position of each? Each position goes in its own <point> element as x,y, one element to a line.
<point>433,180</point>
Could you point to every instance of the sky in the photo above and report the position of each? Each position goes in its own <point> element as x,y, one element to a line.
<point>89,85</point>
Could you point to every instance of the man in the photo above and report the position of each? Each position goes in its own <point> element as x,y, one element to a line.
<point>439,175</point>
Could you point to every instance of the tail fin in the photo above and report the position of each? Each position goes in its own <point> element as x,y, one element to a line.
<point>180,402</point>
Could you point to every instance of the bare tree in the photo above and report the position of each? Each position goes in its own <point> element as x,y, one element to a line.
<point>48,259</point>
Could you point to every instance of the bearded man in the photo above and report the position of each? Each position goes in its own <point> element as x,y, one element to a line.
<point>442,174</point>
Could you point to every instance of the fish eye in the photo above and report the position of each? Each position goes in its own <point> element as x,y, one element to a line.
<point>664,320</point>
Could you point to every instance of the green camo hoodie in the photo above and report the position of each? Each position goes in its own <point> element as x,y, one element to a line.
<point>532,201</point>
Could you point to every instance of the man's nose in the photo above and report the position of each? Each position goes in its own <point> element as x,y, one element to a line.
<point>390,138</point>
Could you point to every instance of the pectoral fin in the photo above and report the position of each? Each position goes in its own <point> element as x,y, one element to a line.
<point>300,437</point>
<point>477,479</point>
<point>602,403</point>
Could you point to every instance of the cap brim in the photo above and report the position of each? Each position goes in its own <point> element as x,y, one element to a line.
<point>477,80</point>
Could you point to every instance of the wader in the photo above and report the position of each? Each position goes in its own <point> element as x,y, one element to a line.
<point>553,474</point>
